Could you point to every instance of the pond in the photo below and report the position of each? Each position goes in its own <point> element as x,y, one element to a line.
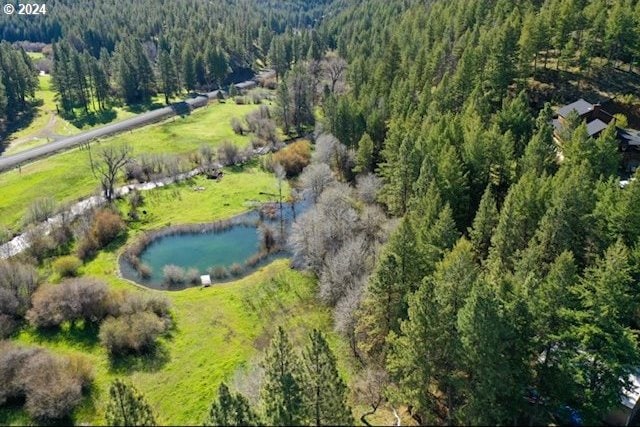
<point>226,250</point>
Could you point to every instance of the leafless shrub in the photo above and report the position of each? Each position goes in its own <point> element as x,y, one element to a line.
<point>248,381</point>
<point>344,314</point>
<point>344,270</point>
<point>145,271</point>
<point>40,245</point>
<point>219,273</point>
<point>236,269</point>
<point>237,127</point>
<point>228,153</point>
<point>17,283</point>
<point>106,226</point>
<point>131,333</point>
<point>51,386</point>
<point>52,391</point>
<point>40,210</point>
<point>132,303</point>
<point>369,388</point>
<point>322,231</point>
<point>70,301</point>
<point>173,275</point>
<point>192,276</point>
<point>374,226</point>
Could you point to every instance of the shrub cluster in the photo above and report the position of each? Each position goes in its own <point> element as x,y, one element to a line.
<point>106,226</point>
<point>138,320</point>
<point>261,124</point>
<point>70,301</point>
<point>50,386</point>
<point>40,210</point>
<point>17,283</point>
<point>67,266</point>
<point>149,167</point>
<point>294,158</point>
<point>131,333</point>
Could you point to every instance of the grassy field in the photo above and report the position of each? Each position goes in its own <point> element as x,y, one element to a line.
<point>67,176</point>
<point>219,330</point>
<point>47,124</point>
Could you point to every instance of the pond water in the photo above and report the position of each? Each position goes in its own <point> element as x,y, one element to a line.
<point>206,250</point>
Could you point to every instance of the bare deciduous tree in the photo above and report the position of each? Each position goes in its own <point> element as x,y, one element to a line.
<point>315,179</point>
<point>111,161</point>
<point>369,387</point>
<point>334,68</point>
<point>368,187</point>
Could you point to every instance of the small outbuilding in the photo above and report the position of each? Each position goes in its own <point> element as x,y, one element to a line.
<point>205,280</point>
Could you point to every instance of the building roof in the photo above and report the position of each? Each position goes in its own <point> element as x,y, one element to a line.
<point>595,126</point>
<point>581,106</point>
<point>629,136</point>
<point>630,397</point>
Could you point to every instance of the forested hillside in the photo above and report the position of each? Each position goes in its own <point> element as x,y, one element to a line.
<point>509,288</point>
<point>480,269</point>
<point>105,53</point>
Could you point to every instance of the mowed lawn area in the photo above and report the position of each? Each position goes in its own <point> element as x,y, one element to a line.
<point>219,331</point>
<point>67,176</point>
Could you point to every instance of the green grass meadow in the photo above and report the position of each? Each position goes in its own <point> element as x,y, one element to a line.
<point>219,330</point>
<point>67,177</point>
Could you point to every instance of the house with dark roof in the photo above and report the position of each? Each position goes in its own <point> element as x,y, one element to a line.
<point>596,118</point>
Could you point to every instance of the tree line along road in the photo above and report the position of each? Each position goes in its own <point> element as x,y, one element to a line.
<point>200,100</point>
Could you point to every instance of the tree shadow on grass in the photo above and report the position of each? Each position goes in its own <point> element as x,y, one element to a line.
<point>92,119</point>
<point>151,361</point>
<point>141,108</point>
<point>82,335</point>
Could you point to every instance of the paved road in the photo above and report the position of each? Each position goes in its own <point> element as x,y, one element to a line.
<point>143,119</point>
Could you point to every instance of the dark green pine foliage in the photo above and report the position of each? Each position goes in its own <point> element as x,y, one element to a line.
<point>540,154</point>
<point>231,410</point>
<point>484,225</point>
<point>551,303</point>
<point>325,394</point>
<point>497,367</point>
<point>167,72</point>
<point>133,72</point>
<point>189,69</point>
<point>282,390</point>
<point>606,351</point>
<point>364,155</point>
<point>128,407</point>
<point>398,273</point>
<point>428,353</point>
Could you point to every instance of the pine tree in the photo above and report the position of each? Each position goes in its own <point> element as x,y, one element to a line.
<point>128,407</point>
<point>325,394</point>
<point>189,74</point>
<point>167,75</point>
<point>364,156</point>
<point>550,304</point>
<point>540,153</point>
<point>497,370</point>
<point>607,351</point>
<point>282,396</point>
<point>231,410</point>
<point>399,272</point>
<point>429,353</point>
<point>484,225</point>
